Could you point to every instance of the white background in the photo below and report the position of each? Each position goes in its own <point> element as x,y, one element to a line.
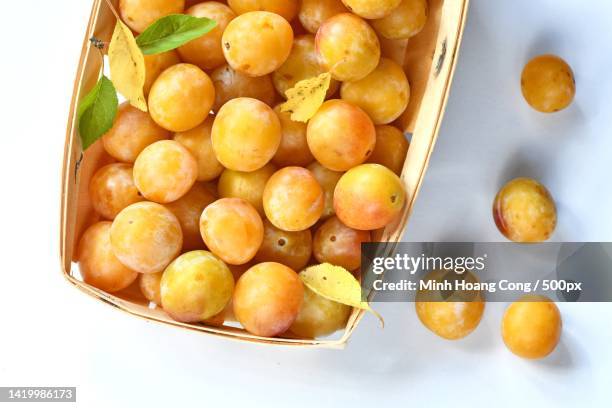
<point>53,335</point>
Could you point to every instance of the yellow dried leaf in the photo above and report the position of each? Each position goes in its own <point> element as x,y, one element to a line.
<point>127,66</point>
<point>306,97</point>
<point>337,284</point>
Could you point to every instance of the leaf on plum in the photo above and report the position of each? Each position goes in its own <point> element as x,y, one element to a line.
<point>97,112</point>
<point>306,97</point>
<point>127,66</point>
<point>172,31</point>
<point>337,284</point>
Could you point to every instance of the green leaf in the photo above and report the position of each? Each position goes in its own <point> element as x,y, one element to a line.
<point>97,112</point>
<point>172,31</point>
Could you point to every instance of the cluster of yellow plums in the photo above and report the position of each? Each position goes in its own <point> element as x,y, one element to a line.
<point>217,199</point>
<point>531,326</point>
<point>524,211</point>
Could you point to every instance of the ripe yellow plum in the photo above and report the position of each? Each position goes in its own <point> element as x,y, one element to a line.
<point>196,286</point>
<point>339,245</point>
<point>524,211</point>
<point>188,210</point>
<point>257,43</point>
<point>391,148</point>
<point>267,299</point>
<point>206,51</point>
<point>383,94</point>
<point>181,98</point>
<point>246,134</point>
<point>369,197</point>
<point>293,199</point>
<point>149,284</point>
<point>140,14</point>
<point>341,135</point>
<point>98,265</point>
<point>450,320</point>
<point>198,142</point>
<point>132,131</point>
<point>293,149</point>
<point>531,327</point>
<point>146,237</point>
<point>371,8</point>
<point>112,188</point>
<point>155,64</point>
<point>286,8</point>
<point>290,248</point>
<point>348,47</point>
<point>319,317</point>
<point>246,185</point>
<point>314,12</point>
<point>165,171</point>
<point>232,229</point>
<point>327,180</point>
<point>230,84</point>
<point>302,63</point>
<point>407,20</point>
<point>452,317</point>
<point>548,83</point>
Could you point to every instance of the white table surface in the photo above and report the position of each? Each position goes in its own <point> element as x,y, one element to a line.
<point>53,335</point>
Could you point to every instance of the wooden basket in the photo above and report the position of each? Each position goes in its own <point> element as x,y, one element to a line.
<point>429,59</point>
